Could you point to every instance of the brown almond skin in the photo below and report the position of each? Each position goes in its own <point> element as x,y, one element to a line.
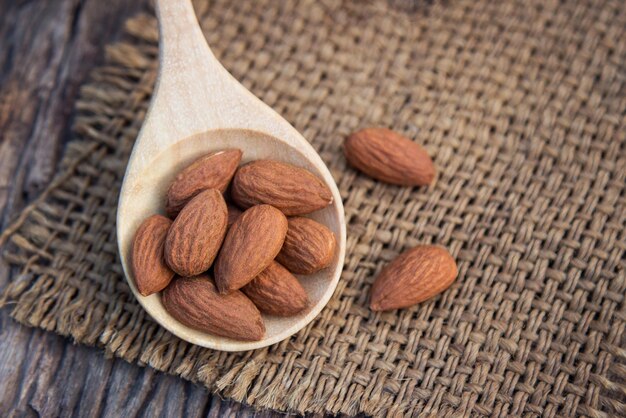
<point>309,246</point>
<point>212,171</point>
<point>150,271</point>
<point>197,233</point>
<point>251,244</point>
<point>387,156</point>
<point>414,276</point>
<point>233,213</point>
<point>277,292</point>
<point>291,189</point>
<point>195,302</point>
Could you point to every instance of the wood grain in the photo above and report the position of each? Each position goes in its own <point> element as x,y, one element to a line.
<point>47,49</point>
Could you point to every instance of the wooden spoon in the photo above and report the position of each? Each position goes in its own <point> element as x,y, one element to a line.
<point>198,107</point>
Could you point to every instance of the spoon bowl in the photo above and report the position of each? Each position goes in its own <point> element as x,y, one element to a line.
<point>198,107</point>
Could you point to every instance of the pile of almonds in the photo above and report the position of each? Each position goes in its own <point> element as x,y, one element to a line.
<point>220,265</point>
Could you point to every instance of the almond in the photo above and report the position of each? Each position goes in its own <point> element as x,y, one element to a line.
<point>213,171</point>
<point>197,233</point>
<point>309,246</point>
<point>390,157</point>
<point>149,268</point>
<point>293,190</point>
<point>414,276</point>
<point>195,302</point>
<point>251,244</point>
<point>276,292</point>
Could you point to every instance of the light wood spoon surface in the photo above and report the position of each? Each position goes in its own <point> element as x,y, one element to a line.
<point>198,107</point>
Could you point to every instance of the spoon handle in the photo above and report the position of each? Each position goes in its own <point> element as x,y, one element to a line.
<point>194,93</point>
<point>191,85</point>
<point>183,51</point>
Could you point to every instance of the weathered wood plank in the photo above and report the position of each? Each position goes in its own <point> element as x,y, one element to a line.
<point>47,49</point>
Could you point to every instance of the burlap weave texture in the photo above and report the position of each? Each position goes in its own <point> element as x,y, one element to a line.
<point>522,104</point>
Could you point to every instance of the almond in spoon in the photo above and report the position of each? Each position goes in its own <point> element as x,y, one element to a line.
<point>197,233</point>
<point>309,246</point>
<point>213,171</point>
<point>195,302</point>
<point>251,244</point>
<point>276,292</point>
<point>151,272</point>
<point>293,190</point>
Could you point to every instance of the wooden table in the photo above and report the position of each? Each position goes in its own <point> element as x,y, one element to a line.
<point>47,48</point>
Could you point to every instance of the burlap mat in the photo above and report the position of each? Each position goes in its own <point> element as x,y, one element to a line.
<point>523,107</point>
